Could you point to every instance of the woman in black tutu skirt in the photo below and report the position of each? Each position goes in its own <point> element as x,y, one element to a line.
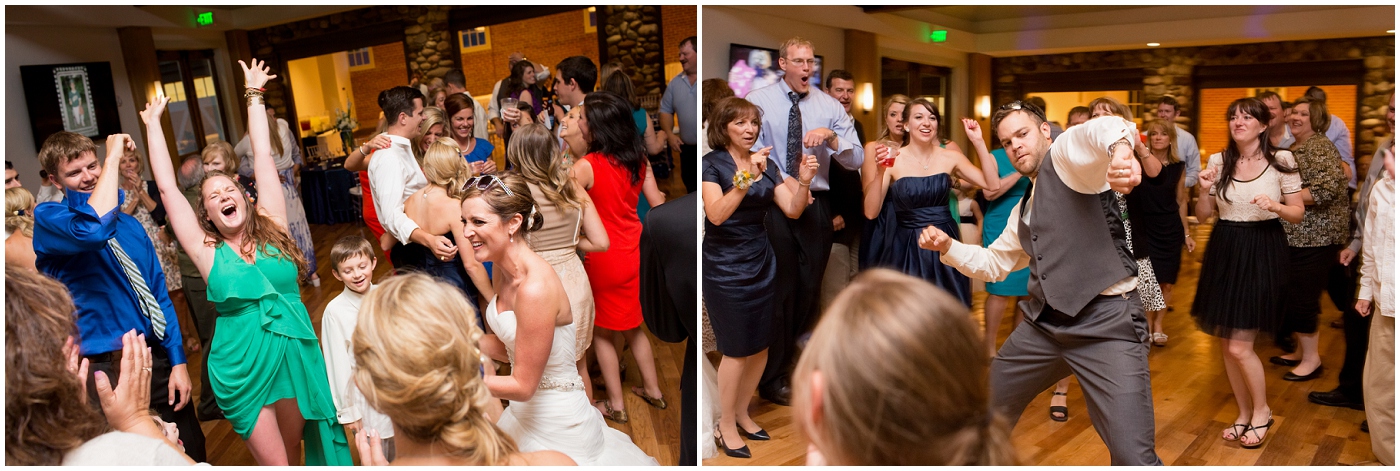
<point>739,267</point>
<point>1243,271</point>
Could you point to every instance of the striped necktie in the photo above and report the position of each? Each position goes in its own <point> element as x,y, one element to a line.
<point>143,292</point>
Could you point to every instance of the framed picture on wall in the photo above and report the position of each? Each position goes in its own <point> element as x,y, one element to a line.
<point>752,68</point>
<point>79,98</point>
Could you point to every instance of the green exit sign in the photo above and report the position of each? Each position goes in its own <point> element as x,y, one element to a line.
<point>939,36</point>
<point>204,19</point>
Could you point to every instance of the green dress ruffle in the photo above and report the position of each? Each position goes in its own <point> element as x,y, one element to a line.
<point>266,350</point>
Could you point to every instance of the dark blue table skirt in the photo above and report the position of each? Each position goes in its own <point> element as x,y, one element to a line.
<point>326,195</point>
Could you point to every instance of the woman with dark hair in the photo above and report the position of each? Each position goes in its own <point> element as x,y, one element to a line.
<point>1313,245</point>
<point>48,421</point>
<point>614,172</point>
<point>265,366</point>
<point>1240,292</point>
<point>461,124</point>
<point>740,268</point>
<point>524,117</point>
<point>919,183</point>
<point>521,85</point>
<point>620,83</point>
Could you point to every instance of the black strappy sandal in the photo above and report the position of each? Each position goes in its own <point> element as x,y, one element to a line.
<point>1254,429</point>
<point>1064,410</point>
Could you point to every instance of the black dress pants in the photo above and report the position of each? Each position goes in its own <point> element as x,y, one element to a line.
<point>802,247</point>
<point>190,432</point>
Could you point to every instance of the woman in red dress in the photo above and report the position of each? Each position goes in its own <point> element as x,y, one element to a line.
<point>613,173</point>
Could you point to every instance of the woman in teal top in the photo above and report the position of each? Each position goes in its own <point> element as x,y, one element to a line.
<point>994,220</point>
<point>265,366</point>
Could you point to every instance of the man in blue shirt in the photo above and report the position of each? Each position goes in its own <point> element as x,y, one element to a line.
<point>108,264</point>
<point>797,123</point>
<point>679,104</point>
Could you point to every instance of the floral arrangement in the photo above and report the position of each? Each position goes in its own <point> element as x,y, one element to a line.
<point>344,121</point>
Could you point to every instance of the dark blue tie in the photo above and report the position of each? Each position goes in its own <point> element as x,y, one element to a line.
<point>794,134</point>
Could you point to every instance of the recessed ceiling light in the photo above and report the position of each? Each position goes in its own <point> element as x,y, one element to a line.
<point>1153,44</point>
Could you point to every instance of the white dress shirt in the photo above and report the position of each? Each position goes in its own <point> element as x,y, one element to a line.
<point>1378,248</point>
<point>819,110</point>
<point>48,193</point>
<point>337,328</point>
<point>394,176</point>
<point>1081,160</point>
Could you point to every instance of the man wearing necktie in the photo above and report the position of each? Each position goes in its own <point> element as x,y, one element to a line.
<point>796,123</point>
<point>108,264</point>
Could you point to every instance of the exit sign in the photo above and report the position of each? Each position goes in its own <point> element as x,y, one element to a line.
<point>939,36</point>
<point>204,19</point>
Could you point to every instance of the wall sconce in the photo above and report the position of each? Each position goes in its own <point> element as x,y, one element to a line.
<point>984,107</point>
<point>867,96</point>
<point>160,89</point>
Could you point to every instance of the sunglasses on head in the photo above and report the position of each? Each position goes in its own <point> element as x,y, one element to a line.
<point>1023,106</point>
<point>484,182</point>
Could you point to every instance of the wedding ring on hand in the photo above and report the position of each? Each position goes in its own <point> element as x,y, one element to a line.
<point>147,369</point>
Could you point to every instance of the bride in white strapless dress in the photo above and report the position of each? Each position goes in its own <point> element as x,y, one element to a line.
<point>559,417</point>
<point>548,407</point>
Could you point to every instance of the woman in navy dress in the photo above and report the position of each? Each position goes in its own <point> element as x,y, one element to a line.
<point>918,184</point>
<point>739,268</point>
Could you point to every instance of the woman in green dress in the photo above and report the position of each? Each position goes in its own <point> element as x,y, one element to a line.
<point>265,366</point>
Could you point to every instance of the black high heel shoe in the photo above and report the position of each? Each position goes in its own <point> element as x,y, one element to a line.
<point>760,435</point>
<point>741,452</point>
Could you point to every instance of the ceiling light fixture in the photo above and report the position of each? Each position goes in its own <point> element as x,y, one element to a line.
<point>1153,44</point>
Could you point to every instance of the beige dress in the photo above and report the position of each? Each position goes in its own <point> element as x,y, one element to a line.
<point>557,243</point>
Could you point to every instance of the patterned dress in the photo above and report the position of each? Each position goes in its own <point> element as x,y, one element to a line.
<point>167,254</point>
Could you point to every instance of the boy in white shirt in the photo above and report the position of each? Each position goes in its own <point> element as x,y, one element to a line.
<point>354,262</point>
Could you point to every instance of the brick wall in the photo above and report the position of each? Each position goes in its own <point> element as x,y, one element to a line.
<point>390,70</point>
<point>1214,131</point>
<point>677,23</point>
<point>544,40</point>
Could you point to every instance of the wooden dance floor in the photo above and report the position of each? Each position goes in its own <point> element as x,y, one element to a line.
<point>656,432</point>
<point>1191,400</point>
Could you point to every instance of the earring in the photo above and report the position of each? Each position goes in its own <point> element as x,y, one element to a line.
<point>512,237</point>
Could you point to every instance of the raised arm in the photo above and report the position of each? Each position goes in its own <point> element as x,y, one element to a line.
<point>535,311</point>
<point>271,201</point>
<point>989,177</point>
<point>795,193</point>
<point>184,220</point>
<point>873,179</point>
<point>1084,154</point>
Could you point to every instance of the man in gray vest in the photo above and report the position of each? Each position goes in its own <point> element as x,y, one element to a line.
<point>1083,314</point>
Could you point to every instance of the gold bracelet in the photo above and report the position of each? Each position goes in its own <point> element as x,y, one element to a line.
<point>800,182</point>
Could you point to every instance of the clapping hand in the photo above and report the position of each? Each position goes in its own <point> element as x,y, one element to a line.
<point>257,75</point>
<point>77,365</point>
<point>934,239</point>
<point>126,404</point>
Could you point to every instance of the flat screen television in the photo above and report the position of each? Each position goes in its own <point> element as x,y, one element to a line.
<point>752,68</point>
<point>77,97</point>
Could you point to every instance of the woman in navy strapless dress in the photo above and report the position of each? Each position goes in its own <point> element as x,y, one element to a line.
<point>915,187</point>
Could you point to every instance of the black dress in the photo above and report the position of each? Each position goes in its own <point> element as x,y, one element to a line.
<point>1156,218</point>
<point>417,258</point>
<point>739,265</point>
